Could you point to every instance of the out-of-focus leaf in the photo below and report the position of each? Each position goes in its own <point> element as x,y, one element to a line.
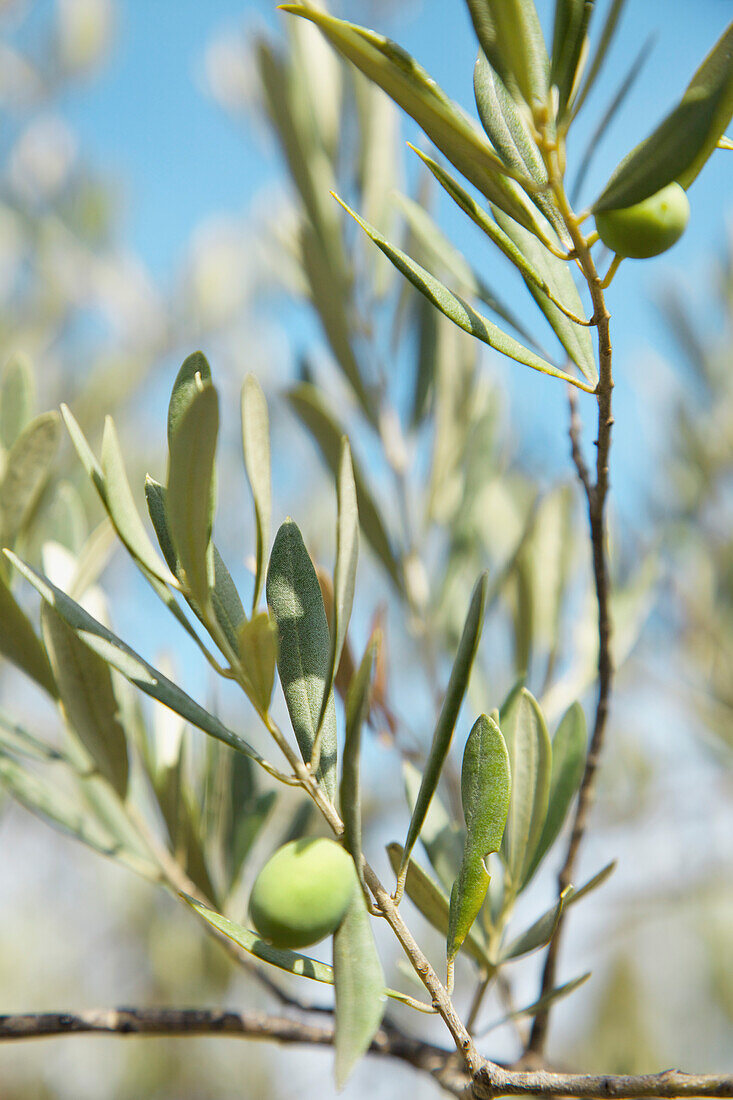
<point>122,508</point>
<point>65,519</point>
<point>434,905</point>
<point>568,38</point>
<point>454,695</point>
<point>358,985</point>
<point>680,146</point>
<point>510,35</point>
<point>530,760</point>
<point>190,496</point>
<point>256,445</point>
<point>309,405</point>
<point>394,70</point>
<point>441,837</point>
<point>248,808</point>
<point>626,83</point>
<point>445,255</point>
<point>592,883</point>
<point>257,645</point>
<point>16,739</point>
<point>357,712</point>
<point>569,746</point>
<point>20,644</point>
<point>27,465</point>
<point>17,399</point>
<point>347,556</point>
<point>44,798</point>
<point>460,312</point>
<point>538,934</point>
<point>556,273</point>
<point>88,699</point>
<point>194,374</point>
<point>599,57</point>
<point>290,961</point>
<point>485,790</point>
<point>120,656</point>
<point>542,1003</point>
<point>304,645</point>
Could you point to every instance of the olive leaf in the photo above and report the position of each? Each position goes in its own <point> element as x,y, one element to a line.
<point>407,83</point>
<point>257,647</point>
<point>225,600</point>
<point>601,52</point>
<point>27,465</point>
<point>190,490</point>
<point>20,644</point>
<point>541,1003</point>
<point>510,35</point>
<point>256,447</point>
<point>454,695</point>
<point>530,760</point>
<point>460,312</point>
<point>569,36</point>
<point>358,986</point>
<point>309,405</point>
<point>569,746</point>
<point>538,934</point>
<point>441,837</point>
<point>432,901</point>
<point>304,646</point>
<point>121,657</point>
<point>19,741</point>
<point>357,712</point>
<point>682,143</point>
<point>17,398</point>
<point>88,699</point>
<point>193,375</point>
<point>485,791</point>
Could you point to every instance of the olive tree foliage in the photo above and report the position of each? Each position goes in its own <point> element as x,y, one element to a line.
<point>405,423</point>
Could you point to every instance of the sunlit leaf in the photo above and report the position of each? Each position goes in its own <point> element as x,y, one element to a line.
<point>568,39</point>
<point>17,398</point>
<point>510,35</point>
<point>537,935</point>
<point>599,57</point>
<point>257,644</point>
<point>680,146</point>
<point>359,987</point>
<point>543,1003</point>
<point>460,312</point>
<point>357,712</point>
<point>20,644</point>
<point>304,647</point>
<point>256,445</point>
<point>485,789</point>
<point>530,759</point>
<point>27,466</point>
<point>191,378</point>
<point>454,695</point>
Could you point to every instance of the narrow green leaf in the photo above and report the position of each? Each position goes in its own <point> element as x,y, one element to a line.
<point>530,760</point>
<point>120,656</point>
<point>190,496</point>
<point>357,712</point>
<point>27,465</point>
<point>19,643</point>
<point>304,644</point>
<point>17,398</point>
<point>257,646</point>
<point>568,39</point>
<point>539,934</point>
<point>504,122</point>
<point>65,519</point>
<point>407,83</point>
<point>569,746</point>
<point>460,312</point>
<point>256,446</point>
<point>593,883</point>
<point>441,837</point>
<point>454,695</point>
<point>358,985</point>
<point>155,497</point>
<point>194,374</point>
<point>485,791</point>
<point>682,143</point>
<point>88,699</point>
<point>434,905</point>
<point>555,273</point>
<point>542,1003</point>
<point>510,35</point>
<point>16,739</point>
<point>290,961</point>
<point>122,510</point>
<point>225,600</point>
<point>604,42</point>
<point>347,556</point>
<point>310,406</point>
<point>249,809</point>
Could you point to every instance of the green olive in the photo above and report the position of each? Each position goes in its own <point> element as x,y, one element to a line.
<point>648,227</point>
<point>302,893</point>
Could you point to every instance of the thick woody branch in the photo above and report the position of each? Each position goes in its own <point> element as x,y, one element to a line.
<point>488,1082</point>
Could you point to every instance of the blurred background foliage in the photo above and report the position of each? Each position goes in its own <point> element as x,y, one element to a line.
<point>451,485</point>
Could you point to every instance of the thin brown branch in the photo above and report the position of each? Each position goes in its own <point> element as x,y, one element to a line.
<point>596,496</point>
<point>495,1082</point>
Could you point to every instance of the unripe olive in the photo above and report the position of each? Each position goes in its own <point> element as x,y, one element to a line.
<point>647,228</point>
<point>302,893</point>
